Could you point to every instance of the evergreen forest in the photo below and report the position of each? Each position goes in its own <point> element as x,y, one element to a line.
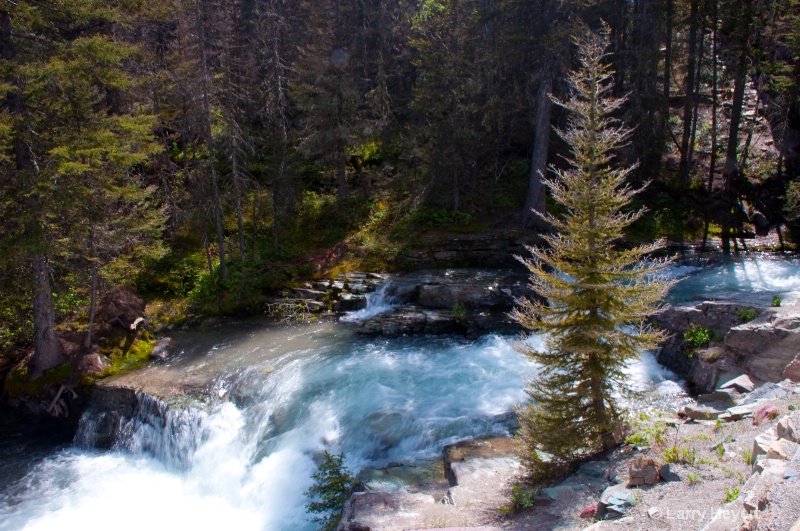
<point>208,153</point>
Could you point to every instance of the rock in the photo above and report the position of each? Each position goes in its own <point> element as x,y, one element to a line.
<point>766,412</point>
<point>595,469</point>
<point>789,428</point>
<point>749,522</point>
<point>768,391</point>
<point>666,474</point>
<point>703,374</point>
<point>92,364</point>
<point>782,449</point>
<point>740,412</point>
<point>614,496</point>
<point>376,510</point>
<point>768,344</point>
<point>792,371</point>
<point>742,384</point>
<point>119,307</point>
<point>589,511</point>
<point>161,350</point>
<point>644,471</point>
<point>722,397</point>
<point>762,442</point>
<point>349,302</point>
<point>701,412</point>
<point>470,449</point>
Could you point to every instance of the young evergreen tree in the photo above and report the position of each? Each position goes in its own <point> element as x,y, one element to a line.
<point>333,486</point>
<point>597,294</point>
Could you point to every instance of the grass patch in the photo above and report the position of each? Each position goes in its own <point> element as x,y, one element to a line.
<point>746,314</point>
<point>124,357</point>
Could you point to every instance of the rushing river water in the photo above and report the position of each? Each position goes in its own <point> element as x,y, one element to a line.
<point>287,394</point>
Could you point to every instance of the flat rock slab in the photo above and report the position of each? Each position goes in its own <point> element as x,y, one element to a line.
<point>476,449</point>
<point>742,384</point>
<point>768,391</point>
<point>740,412</point>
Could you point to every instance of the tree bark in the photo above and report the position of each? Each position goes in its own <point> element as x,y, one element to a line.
<point>535,202</point>
<point>47,348</point>
<point>688,102</point>
<point>223,268</point>
<point>87,342</point>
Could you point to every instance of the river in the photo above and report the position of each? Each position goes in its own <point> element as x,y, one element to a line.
<point>282,395</point>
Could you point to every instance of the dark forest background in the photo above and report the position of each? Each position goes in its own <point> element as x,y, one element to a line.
<point>212,151</point>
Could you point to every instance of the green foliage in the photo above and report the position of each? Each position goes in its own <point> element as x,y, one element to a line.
<point>693,478</point>
<point>460,314</point>
<point>776,301</point>
<point>747,455</point>
<point>596,292</point>
<point>333,486</point>
<point>126,355</point>
<point>18,382</point>
<point>647,432</point>
<point>523,497</point>
<point>731,495</point>
<point>746,314</point>
<point>697,336</point>
<point>676,454</point>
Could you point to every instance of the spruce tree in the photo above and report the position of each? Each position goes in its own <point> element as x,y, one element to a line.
<point>597,292</point>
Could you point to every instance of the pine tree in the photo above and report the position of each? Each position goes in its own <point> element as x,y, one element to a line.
<point>597,293</point>
<point>333,486</point>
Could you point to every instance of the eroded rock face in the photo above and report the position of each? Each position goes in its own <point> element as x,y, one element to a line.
<point>645,471</point>
<point>768,346</point>
<point>764,349</point>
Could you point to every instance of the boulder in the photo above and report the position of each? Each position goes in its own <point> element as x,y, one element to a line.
<point>701,412</point>
<point>349,302</point>
<point>782,449</point>
<point>762,442</point>
<point>792,371</point>
<point>161,350</point>
<point>766,412</point>
<point>722,397</point>
<point>789,428</point>
<point>92,364</point>
<point>644,471</point>
<point>741,384</point>
<point>613,502</point>
<point>120,307</point>
<point>740,412</point>
<point>768,391</point>
<point>766,346</point>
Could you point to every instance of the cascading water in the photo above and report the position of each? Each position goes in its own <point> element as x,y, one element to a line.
<point>289,394</point>
<point>378,302</point>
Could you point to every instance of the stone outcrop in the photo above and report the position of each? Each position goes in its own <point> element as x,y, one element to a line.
<point>765,349</point>
<point>490,249</point>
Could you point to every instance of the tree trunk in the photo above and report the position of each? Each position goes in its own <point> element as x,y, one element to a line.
<point>46,348</point>
<point>87,342</point>
<point>238,186</point>
<point>668,60</point>
<point>223,268</point>
<point>535,202</point>
<point>688,102</point>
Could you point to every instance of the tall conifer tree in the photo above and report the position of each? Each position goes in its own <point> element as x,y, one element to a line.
<point>598,294</point>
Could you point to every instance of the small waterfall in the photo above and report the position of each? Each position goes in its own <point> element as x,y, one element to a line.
<point>378,302</point>
<point>171,435</point>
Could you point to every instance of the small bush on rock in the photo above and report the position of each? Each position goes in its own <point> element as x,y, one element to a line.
<point>697,336</point>
<point>746,314</point>
<point>333,486</point>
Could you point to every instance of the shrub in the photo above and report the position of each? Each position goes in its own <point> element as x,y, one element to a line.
<point>522,498</point>
<point>697,336</point>
<point>747,455</point>
<point>746,314</point>
<point>679,455</point>
<point>776,301</point>
<point>731,495</point>
<point>333,486</point>
<point>693,478</point>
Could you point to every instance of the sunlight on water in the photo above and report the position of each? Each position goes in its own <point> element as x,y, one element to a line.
<point>292,393</point>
